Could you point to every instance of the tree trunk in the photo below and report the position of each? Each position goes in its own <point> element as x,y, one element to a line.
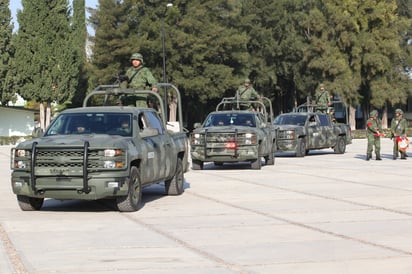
<point>172,108</point>
<point>41,116</point>
<point>385,117</point>
<point>48,114</point>
<point>352,118</point>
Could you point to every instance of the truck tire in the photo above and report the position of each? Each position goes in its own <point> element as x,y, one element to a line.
<point>301,148</point>
<point>340,146</point>
<point>270,159</point>
<point>197,165</point>
<point>132,201</point>
<point>256,164</point>
<point>174,186</point>
<point>29,203</point>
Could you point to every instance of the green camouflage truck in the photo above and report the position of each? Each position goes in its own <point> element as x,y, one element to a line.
<point>300,132</point>
<point>102,152</point>
<point>235,135</point>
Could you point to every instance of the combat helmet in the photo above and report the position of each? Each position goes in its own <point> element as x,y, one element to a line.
<point>399,111</point>
<point>374,113</point>
<point>137,56</point>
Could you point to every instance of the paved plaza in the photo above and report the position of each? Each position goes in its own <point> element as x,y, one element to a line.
<point>324,213</point>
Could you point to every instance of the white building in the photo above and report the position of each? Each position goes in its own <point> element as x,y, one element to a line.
<point>16,121</point>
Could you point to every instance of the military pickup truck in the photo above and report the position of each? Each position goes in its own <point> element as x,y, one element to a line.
<point>235,135</point>
<point>300,132</point>
<point>102,152</point>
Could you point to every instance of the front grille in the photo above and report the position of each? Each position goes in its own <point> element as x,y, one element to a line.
<point>72,158</point>
<point>220,137</point>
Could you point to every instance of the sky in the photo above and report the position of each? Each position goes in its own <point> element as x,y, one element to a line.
<point>15,5</point>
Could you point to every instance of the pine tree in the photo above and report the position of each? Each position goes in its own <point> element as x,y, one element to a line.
<point>277,44</point>
<point>355,49</point>
<point>46,60</point>
<point>79,32</point>
<point>204,52</point>
<point>111,45</point>
<point>207,54</point>
<point>6,54</point>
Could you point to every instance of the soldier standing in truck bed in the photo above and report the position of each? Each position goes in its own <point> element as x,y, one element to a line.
<point>322,99</point>
<point>246,92</point>
<point>140,77</point>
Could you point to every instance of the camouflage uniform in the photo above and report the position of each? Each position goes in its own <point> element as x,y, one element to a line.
<point>398,128</point>
<point>373,133</point>
<point>247,92</point>
<point>140,78</point>
<point>322,99</point>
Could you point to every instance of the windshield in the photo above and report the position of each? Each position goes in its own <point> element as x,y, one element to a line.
<point>229,119</point>
<point>91,123</point>
<point>297,120</point>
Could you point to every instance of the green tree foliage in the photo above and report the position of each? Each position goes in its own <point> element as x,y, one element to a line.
<point>380,54</point>
<point>46,61</point>
<point>277,46</point>
<point>201,49</point>
<point>79,31</point>
<point>207,54</point>
<point>359,49</point>
<point>6,53</point>
<point>111,44</point>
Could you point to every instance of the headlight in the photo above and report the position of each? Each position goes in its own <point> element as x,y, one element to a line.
<point>250,139</point>
<point>113,152</point>
<point>20,153</point>
<point>289,134</point>
<point>197,139</point>
<point>112,164</point>
<point>20,159</point>
<point>19,164</point>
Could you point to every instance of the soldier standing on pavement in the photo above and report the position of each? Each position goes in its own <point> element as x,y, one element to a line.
<point>322,99</point>
<point>140,77</point>
<point>398,130</point>
<point>373,133</point>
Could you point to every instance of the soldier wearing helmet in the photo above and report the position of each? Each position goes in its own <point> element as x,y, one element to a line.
<point>373,134</point>
<point>322,99</point>
<point>398,131</point>
<point>246,92</point>
<point>140,77</point>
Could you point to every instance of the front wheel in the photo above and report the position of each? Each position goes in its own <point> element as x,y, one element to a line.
<point>29,203</point>
<point>270,159</point>
<point>301,148</point>
<point>256,164</point>
<point>132,201</point>
<point>174,186</point>
<point>340,146</point>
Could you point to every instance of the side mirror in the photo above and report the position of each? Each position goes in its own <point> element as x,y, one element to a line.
<point>37,132</point>
<point>197,125</point>
<point>149,132</point>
